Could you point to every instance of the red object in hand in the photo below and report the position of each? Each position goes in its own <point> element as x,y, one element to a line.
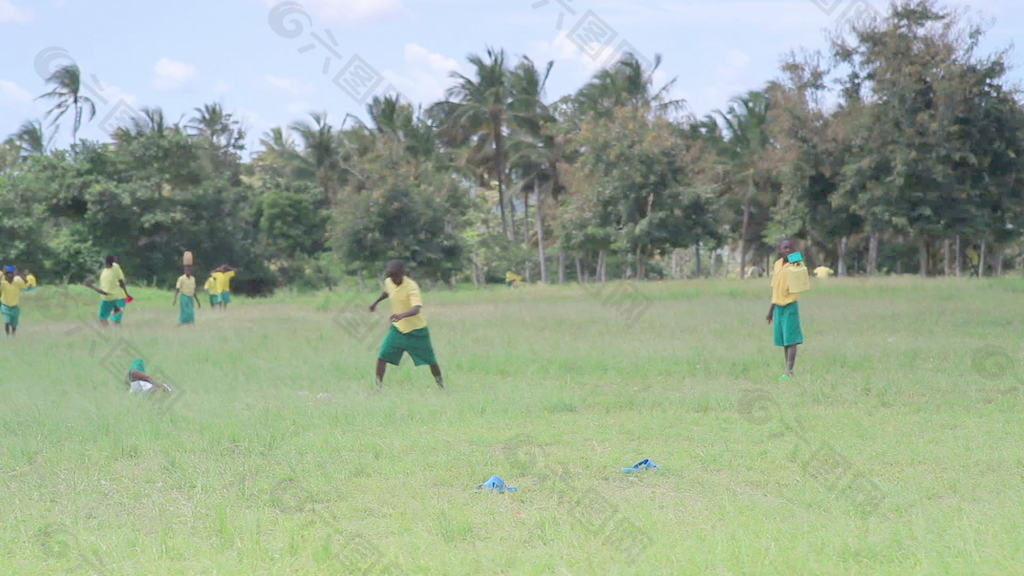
<point>129,300</point>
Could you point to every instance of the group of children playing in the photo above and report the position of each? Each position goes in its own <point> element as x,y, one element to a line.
<point>408,333</point>
<point>217,286</point>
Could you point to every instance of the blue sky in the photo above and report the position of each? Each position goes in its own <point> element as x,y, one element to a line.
<point>179,55</point>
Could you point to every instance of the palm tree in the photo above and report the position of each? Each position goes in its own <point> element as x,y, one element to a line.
<point>148,121</point>
<point>321,151</point>
<point>533,149</point>
<point>31,139</point>
<point>66,94</point>
<point>746,143</point>
<point>627,84</point>
<point>476,113</point>
<point>217,127</point>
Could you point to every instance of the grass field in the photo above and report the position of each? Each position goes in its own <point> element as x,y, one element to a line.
<point>896,450</point>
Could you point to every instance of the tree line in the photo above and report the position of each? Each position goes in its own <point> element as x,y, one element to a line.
<point>895,151</point>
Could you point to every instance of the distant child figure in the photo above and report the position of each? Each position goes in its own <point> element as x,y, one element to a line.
<point>224,274</point>
<point>512,279</point>
<point>823,272</point>
<point>114,291</point>
<point>11,286</point>
<point>211,288</point>
<point>186,288</point>
<point>138,382</point>
<point>785,310</point>
<point>408,332</point>
<point>30,280</point>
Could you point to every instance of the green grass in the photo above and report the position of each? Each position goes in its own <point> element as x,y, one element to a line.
<point>896,450</point>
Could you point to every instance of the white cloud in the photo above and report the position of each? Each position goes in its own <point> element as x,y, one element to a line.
<point>426,74</point>
<point>172,74</point>
<point>11,93</point>
<point>347,11</point>
<point>292,86</point>
<point>10,12</point>
<point>221,87</point>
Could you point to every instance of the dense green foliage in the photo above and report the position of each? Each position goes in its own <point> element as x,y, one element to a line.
<point>899,151</point>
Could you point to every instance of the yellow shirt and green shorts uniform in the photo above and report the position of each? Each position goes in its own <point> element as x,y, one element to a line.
<point>30,283</point>
<point>110,282</point>
<point>186,299</point>
<point>10,300</point>
<point>212,289</point>
<point>224,285</point>
<point>409,334</point>
<point>786,315</point>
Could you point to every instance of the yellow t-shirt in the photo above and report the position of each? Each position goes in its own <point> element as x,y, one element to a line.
<point>224,280</point>
<point>186,285</point>
<point>10,292</point>
<point>211,285</point>
<point>780,285</point>
<point>30,280</point>
<point>823,272</point>
<point>403,298</point>
<point>109,282</point>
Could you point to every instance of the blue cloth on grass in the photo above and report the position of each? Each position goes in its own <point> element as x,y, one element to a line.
<point>645,464</point>
<point>496,484</point>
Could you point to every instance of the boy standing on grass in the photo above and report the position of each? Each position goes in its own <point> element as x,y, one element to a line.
<point>211,288</point>
<point>224,274</point>
<point>408,332</point>
<point>785,310</point>
<point>186,287</point>
<point>11,286</point>
<point>30,281</point>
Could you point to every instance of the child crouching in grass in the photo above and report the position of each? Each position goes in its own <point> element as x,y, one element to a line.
<point>138,382</point>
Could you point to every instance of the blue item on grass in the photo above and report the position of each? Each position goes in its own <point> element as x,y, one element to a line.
<point>645,464</point>
<point>496,484</point>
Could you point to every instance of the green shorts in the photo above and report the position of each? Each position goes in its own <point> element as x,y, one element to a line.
<point>214,299</point>
<point>786,320</point>
<point>225,297</point>
<point>107,309</point>
<point>416,343</point>
<point>11,314</point>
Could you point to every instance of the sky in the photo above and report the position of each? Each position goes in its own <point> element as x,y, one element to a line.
<point>271,62</point>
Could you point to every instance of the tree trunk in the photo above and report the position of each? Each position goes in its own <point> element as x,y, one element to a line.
<point>959,258</point>
<point>947,261</point>
<point>497,124</point>
<point>696,254</point>
<point>923,256</point>
<point>743,240</point>
<point>714,263</point>
<point>561,266</point>
<point>476,273</point>
<point>841,260</point>
<point>981,260</point>
<point>362,281</point>
<point>998,261</point>
<point>579,270</point>
<point>873,254</point>
<point>600,274</point>
<point>540,235</point>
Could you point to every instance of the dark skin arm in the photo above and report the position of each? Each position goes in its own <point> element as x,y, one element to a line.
<point>411,312</point>
<point>383,296</point>
<point>771,312</point>
<point>135,375</point>
<point>125,288</point>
